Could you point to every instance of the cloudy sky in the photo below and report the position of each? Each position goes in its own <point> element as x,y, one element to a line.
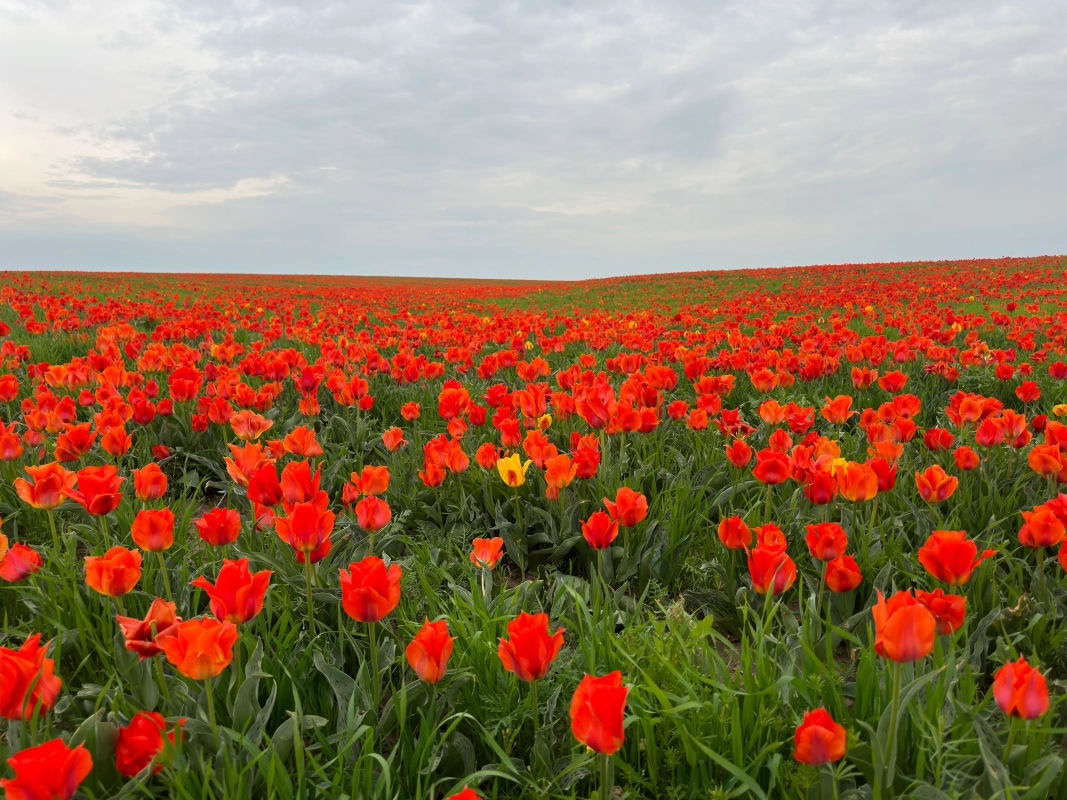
<point>541,139</point>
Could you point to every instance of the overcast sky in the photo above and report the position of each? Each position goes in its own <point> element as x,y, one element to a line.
<point>542,139</point>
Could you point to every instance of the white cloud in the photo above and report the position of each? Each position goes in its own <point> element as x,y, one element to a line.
<point>502,138</point>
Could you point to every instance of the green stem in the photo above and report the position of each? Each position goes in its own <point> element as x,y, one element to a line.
<point>237,660</point>
<point>870,528</point>
<point>533,704</point>
<point>890,751</point>
<point>605,790</point>
<point>307,582</point>
<point>1041,577</point>
<point>166,578</point>
<point>372,635</point>
<point>55,536</point>
<point>1013,727</point>
<point>211,711</point>
<point>162,678</point>
<point>767,506</point>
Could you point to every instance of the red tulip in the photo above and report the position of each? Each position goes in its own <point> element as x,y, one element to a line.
<point>263,486</point>
<point>600,530</point>
<point>17,562</point>
<point>1042,528</point>
<point>153,529</point>
<point>237,595</point>
<point>950,557</point>
<point>734,533</point>
<point>28,684</point>
<point>428,652</point>
<point>373,514</point>
<point>219,526</point>
<point>49,771</point>
<point>115,573</point>
<point>826,540</point>
<point>142,635</point>
<point>629,508</point>
<point>149,483</point>
<point>843,574</point>
<point>141,741</point>
<point>772,571</point>
<point>771,467</point>
<point>98,489</point>
<point>949,610</point>
<point>369,590</point>
<point>308,526</point>
<point>597,712</point>
<point>904,628</point>
<point>818,739</point>
<point>739,453</point>
<point>1020,690</point>
<point>530,649</point>
<point>935,485</point>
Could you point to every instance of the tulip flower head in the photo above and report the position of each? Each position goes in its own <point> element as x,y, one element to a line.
<point>818,739</point>
<point>237,594</point>
<point>597,711</point>
<point>369,589</point>
<point>629,507</point>
<point>529,649</point>
<point>950,557</point>
<point>200,648</point>
<point>49,771</point>
<point>115,573</point>
<point>141,741</point>
<point>428,652</point>
<point>142,635</point>
<point>487,552</point>
<point>904,628</point>
<point>29,686</point>
<point>512,470</point>
<point>1021,690</point>
<point>600,530</point>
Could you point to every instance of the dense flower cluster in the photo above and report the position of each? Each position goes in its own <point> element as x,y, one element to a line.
<point>707,509</point>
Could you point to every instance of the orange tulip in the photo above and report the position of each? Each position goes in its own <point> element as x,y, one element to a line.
<point>149,483</point>
<point>237,594</point>
<point>115,441</point>
<point>298,483</point>
<point>965,458</point>
<point>857,482</point>
<point>935,485</point>
<point>559,472</point>
<point>142,635</point>
<point>372,480</point>
<point>246,460</point>
<point>248,426</point>
<point>18,561</point>
<point>301,441</point>
<point>904,628</point>
<point>597,711</point>
<point>49,482</point>
<point>818,739</point>
<point>200,648</point>
<point>153,529</point>
<point>950,557</point>
<point>629,508</point>
<point>487,552</point>
<point>29,685</point>
<point>530,649</point>
<point>428,652</point>
<point>837,411</point>
<point>369,590</point>
<point>393,439</point>
<point>1045,459</point>
<point>1020,690</point>
<point>115,573</point>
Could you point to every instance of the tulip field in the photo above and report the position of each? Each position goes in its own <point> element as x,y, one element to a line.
<point>790,533</point>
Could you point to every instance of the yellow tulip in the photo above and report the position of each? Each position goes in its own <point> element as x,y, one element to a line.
<point>512,470</point>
